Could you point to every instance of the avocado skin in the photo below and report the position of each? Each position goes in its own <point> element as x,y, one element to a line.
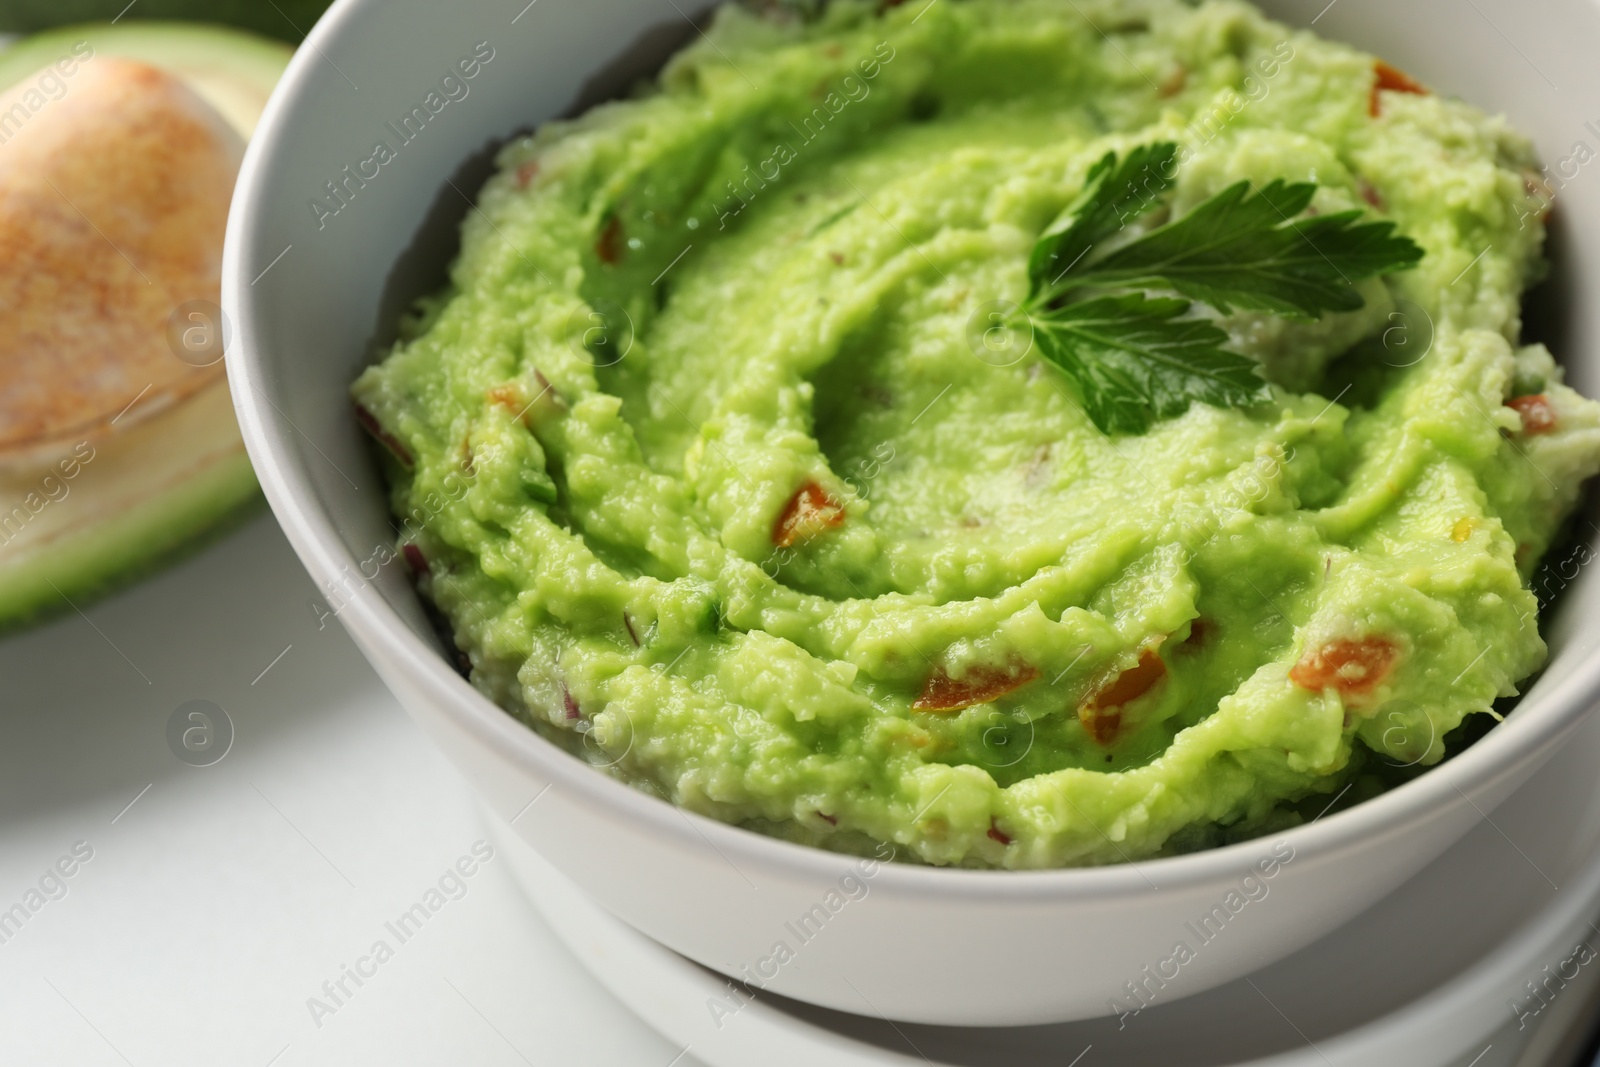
<point>17,616</point>
<point>287,20</point>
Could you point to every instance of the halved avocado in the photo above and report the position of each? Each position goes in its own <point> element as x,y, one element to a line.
<point>288,20</point>
<point>98,480</point>
<point>232,71</point>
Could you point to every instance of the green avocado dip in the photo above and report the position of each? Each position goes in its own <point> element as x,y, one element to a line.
<point>725,475</point>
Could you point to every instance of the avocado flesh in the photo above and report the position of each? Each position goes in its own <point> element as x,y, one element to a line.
<point>234,72</point>
<point>142,497</point>
<point>288,20</point>
<point>160,485</point>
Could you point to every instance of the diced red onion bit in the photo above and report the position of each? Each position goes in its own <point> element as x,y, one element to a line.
<point>369,422</point>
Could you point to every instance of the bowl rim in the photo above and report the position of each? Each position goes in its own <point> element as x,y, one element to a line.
<point>1528,734</point>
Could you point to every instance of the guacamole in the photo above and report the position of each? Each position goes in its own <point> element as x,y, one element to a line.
<point>723,470</point>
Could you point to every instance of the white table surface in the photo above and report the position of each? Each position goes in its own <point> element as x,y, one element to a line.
<point>220,901</point>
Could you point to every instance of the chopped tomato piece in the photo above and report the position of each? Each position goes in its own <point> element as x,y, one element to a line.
<point>1390,79</point>
<point>527,410</point>
<point>369,422</point>
<point>1370,194</point>
<point>527,172</point>
<point>809,512</point>
<point>1101,711</point>
<point>507,395</point>
<point>414,558</point>
<point>608,246</point>
<point>978,686</point>
<point>1354,668</point>
<point>1538,416</point>
<point>1103,726</point>
<point>1134,682</point>
<point>997,834</point>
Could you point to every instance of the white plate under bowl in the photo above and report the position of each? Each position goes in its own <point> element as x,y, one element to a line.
<point>1436,973</point>
<point>309,296</point>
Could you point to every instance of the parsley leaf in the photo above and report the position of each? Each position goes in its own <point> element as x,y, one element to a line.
<point>1137,358</point>
<point>1247,250</point>
<point>1114,194</point>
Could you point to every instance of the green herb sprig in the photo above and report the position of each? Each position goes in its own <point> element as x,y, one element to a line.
<point>1136,357</point>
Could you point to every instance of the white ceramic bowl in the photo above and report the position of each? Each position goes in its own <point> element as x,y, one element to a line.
<point>309,298</point>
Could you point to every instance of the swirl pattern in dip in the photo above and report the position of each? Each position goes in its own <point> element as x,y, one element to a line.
<point>717,466</point>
